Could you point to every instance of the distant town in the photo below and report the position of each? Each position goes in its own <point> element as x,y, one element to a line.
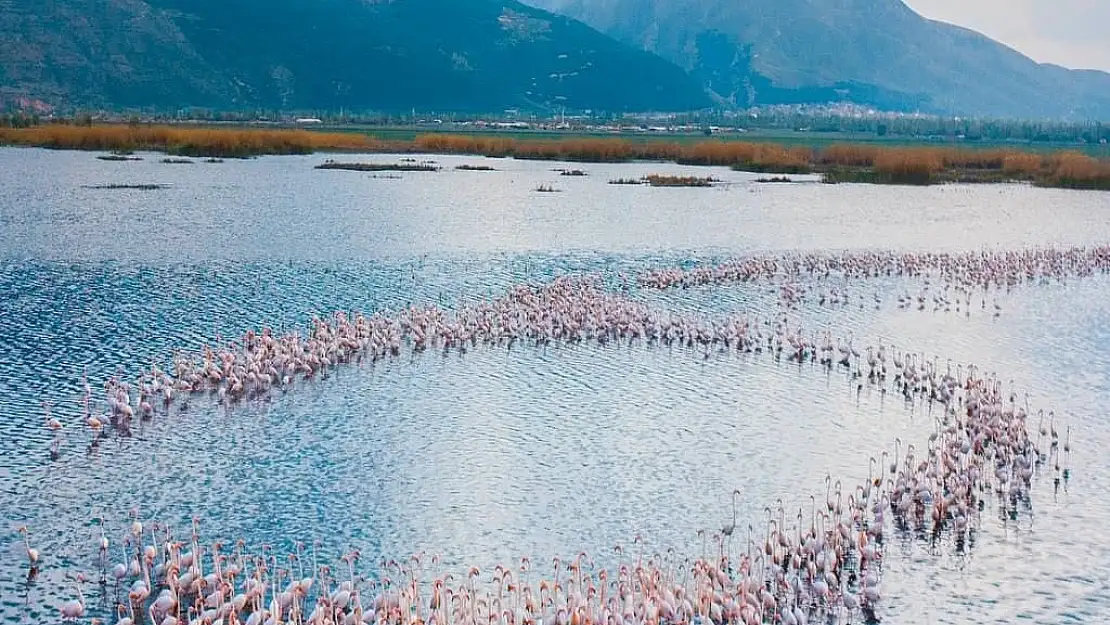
<point>835,121</point>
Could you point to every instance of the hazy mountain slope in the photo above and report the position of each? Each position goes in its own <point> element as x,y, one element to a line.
<point>94,51</point>
<point>879,45</point>
<point>326,54</point>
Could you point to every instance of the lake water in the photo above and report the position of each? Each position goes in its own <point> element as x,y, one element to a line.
<point>490,455</point>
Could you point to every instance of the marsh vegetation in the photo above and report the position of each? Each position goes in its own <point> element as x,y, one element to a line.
<point>133,187</point>
<point>378,166</point>
<point>665,180</point>
<point>915,165</point>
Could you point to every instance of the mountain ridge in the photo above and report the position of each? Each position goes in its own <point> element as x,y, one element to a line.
<point>883,46</point>
<point>481,55</point>
<point>491,55</point>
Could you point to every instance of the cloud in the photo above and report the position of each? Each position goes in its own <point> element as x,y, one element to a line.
<point>1071,33</point>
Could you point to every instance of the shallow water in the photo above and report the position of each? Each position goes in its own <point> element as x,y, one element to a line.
<point>498,453</point>
<point>281,208</point>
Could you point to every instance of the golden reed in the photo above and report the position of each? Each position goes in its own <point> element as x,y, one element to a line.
<point>914,164</point>
<point>186,141</point>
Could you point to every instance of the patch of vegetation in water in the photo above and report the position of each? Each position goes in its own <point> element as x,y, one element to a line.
<point>114,156</point>
<point>775,179</point>
<point>465,167</point>
<point>546,189</point>
<point>915,176</point>
<point>213,160</point>
<point>626,181</point>
<point>1064,182</point>
<point>871,176</point>
<point>845,175</point>
<point>177,161</point>
<point>138,187</point>
<point>571,172</point>
<point>771,168</point>
<point>658,180</point>
<point>405,166</point>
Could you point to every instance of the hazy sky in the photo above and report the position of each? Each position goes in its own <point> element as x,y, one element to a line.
<point>1071,33</point>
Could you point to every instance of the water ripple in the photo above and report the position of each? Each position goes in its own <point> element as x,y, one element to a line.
<point>497,453</point>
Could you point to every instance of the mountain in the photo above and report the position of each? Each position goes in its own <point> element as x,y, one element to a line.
<point>877,52</point>
<point>444,55</point>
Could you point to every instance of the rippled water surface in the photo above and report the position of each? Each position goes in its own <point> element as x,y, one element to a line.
<point>496,453</point>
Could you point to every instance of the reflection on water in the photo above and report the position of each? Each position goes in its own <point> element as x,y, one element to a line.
<point>497,453</point>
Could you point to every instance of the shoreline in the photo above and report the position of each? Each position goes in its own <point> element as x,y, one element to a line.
<point>838,163</point>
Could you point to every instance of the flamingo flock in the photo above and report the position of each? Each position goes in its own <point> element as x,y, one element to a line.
<point>797,568</point>
<point>947,281</point>
<point>822,562</point>
<point>570,310</point>
<point>971,269</point>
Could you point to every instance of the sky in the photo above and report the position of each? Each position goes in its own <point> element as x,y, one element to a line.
<point>1072,33</point>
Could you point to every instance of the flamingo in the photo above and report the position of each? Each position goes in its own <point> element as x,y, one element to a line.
<point>728,529</point>
<point>32,554</point>
<point>74,609</point>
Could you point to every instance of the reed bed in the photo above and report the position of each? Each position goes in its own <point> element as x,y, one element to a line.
<point>1022,164</point>
<point>585,150</point>
<point>842,155</point>
<point>896,168</point>
<point>908,166</point>
<point>457,144</point>
<point>759,157</point>
<point>199,142</point>
<point>839,163</point>
<point>1076,171</point>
